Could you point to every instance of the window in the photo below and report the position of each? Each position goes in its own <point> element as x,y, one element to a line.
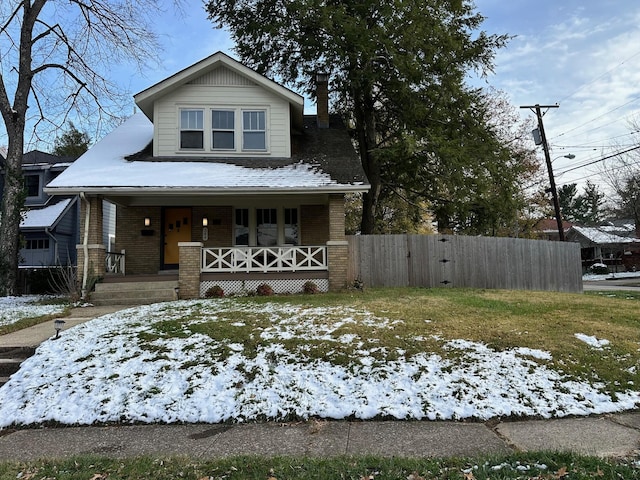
<point>291,226</point>
<point>37,244</point>
<point>223,129</point>
<point>242,227</point>
<point>191,129</point>
<point>32,185</point>
<point>254,132</point>
<point>267,227</point>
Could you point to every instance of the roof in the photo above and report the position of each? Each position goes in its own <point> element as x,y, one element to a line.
<point>324,161</point>
<point>551,225</point>
<point>146,98</point>
<point>37,157</point>
<point>46,217</point>
<point>602,235</point>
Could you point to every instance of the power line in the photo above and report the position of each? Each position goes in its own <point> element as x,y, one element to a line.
<point>600,159</point>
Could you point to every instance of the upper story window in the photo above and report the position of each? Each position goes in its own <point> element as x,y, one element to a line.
<point>32,185</point>
<point>191,128</point>
<point>223,129</point>
<point>254,130</point>
<point>233,130</point>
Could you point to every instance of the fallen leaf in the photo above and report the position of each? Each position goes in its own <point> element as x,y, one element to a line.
<point>562,472</point>
<point>469,476</point>
<point>415,476</point>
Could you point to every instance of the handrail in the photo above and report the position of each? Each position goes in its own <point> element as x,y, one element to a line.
<point>264,259</point>
<point>114,262</point>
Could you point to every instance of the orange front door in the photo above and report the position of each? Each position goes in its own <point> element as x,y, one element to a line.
<point>177,228</point>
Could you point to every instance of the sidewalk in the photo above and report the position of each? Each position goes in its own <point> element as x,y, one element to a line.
<point>609,436</point>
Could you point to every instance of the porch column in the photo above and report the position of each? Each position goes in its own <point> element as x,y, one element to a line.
<point>95,249</point>
<point>190,267</point>
<point>337,246</point>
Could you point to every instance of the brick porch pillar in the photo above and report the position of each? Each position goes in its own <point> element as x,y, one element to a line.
<point>189,273</point>
<point>95,249</point>
<point>337,246</point>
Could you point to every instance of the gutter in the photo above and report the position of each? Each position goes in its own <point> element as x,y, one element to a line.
<point>85,245</point>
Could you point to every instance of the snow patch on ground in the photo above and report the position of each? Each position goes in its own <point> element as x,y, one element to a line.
<point>13,309</point>
<point>592,341</point>
<point>103,371</point>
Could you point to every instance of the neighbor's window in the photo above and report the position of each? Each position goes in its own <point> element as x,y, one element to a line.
<point>254,130</point>
<point>37,244</point>
<point>32,185</point>
<point>223,129</point>
<point>191,129</point>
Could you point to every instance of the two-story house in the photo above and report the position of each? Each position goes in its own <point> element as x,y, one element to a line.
<point>49,226</point>
<point>220,180</point>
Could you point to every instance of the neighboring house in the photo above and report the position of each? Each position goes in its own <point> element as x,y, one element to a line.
<point>221,180</point>
<point>614,245</point>
<point>547,229</point>
<point>49,226</point>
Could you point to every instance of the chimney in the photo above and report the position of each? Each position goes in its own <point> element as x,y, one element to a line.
<point>322,99</point>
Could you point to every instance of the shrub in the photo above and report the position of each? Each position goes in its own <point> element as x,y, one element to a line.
<point>215,291</point>
<point>264,290</point>
<point>310,288</point>
<point>599,269</point>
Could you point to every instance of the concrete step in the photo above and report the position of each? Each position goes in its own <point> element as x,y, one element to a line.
<point>134,293</point>
<point>10,360</point>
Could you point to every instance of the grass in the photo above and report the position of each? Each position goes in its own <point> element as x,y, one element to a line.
<point>31,321</point>
<point>418,320</point>
<point>534,465</point>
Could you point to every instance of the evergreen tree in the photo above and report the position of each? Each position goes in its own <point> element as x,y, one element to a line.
<point>398,71</point>
<point>71,143</point>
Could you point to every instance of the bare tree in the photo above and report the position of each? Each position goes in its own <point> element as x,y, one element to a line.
<point>55,58</point>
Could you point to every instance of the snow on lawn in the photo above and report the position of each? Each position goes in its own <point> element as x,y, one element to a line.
<point>592,341</point>
<point>102,371</point>
<point>13,309</point>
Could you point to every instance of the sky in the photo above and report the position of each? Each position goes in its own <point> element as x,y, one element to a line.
<point>583,55</point>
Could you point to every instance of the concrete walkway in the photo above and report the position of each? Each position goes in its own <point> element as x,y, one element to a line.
<point>607,436</point>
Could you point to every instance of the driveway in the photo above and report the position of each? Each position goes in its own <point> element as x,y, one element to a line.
<point>627,283</point>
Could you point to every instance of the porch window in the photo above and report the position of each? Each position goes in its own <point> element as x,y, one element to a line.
<point>291,226</point>
<point>37,244</point>
<point>191,129</point>
<point>223,129</point>
<point>267,227</point>
<point>254,130</point>
<point>242,226</point>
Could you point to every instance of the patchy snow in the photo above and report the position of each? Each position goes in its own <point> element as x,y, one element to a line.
<point>592,341</point>
<point>103,371</point>
<point>592,277</point>
<point>105,165</point>
<point>13,309</point>
<point>608,234</point>
<point>44,217</point>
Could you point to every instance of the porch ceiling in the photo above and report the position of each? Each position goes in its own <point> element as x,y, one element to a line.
<point>191,200</point>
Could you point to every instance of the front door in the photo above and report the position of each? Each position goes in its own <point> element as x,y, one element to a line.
<point>177,228</point>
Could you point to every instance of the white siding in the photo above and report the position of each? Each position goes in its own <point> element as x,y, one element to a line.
<point>201,93</point>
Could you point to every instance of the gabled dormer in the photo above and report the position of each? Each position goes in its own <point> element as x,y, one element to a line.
<point>220,108</point>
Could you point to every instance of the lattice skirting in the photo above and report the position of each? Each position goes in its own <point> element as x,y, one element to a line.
<point>244,287</point>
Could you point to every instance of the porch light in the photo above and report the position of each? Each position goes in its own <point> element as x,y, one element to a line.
<point>205,221</point>
<point>147,222</point>
<point>58,325</point>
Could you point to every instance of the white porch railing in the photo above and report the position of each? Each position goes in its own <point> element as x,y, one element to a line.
<point>114,262</point>
<point>264,259</point>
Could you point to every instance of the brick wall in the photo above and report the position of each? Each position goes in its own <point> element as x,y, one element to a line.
<point>142,252</point>
<point>220,225</point>
<point>95,249</point>
<point>189,276</point>
<point>336,217</point>
<point>313,224</point>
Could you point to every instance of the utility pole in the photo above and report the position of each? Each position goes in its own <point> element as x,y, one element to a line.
<point>545,147</point>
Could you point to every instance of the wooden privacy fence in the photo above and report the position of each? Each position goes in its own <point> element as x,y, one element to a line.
<point>459,261</point>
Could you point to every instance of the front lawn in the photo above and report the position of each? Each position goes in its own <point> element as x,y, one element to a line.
<point>384,353</point>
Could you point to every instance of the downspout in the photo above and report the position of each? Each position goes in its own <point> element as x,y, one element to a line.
<point>55,244</point>
<point>85,245</point>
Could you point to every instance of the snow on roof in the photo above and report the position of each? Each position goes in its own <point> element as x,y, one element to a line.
<point>105,166</point>
<point>601,235</point>
<point>44,217</point>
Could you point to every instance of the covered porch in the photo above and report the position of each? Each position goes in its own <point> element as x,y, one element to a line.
<point>237,244</point>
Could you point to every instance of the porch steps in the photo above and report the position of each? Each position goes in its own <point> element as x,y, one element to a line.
<point>10,360</point>
<point>134,292</point>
